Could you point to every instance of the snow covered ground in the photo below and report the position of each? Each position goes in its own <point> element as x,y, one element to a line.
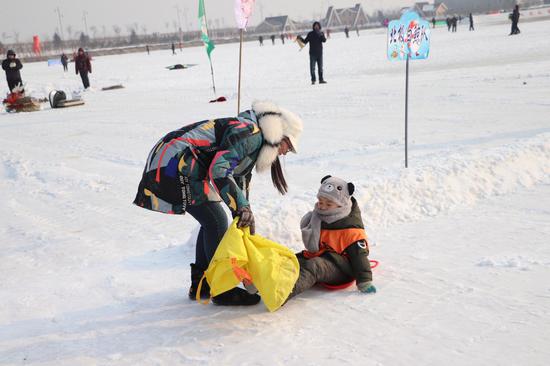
<point>462,236</point>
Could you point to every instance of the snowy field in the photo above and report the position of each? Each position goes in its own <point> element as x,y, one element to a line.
<point>462,236</point>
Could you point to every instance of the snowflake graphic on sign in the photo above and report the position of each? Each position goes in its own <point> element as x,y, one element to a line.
<point>408,36</point>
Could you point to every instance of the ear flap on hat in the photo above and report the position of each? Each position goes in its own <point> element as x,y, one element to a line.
<point>351,188</point>
<point>325,178</point>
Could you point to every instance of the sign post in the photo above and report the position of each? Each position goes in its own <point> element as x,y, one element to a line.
<point>408,39</point>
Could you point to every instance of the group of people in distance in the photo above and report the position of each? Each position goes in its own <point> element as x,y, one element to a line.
<point>13,65</point>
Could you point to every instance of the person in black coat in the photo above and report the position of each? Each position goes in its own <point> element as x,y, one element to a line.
<point>273,39</point>
<point>12,65</point>
<point>514,17</point>
<point>454,23</point>
<point>471,22</point>
<point>315,38</point>
<point>83,66</point>
<point>65,62</point>
<point>346,30</point>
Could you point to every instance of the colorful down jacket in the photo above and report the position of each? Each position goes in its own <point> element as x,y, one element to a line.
<point>204,161</point>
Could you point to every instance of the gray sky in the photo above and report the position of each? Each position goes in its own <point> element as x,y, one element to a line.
<point>29,17</point>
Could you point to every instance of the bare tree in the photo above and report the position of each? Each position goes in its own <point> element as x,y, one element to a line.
<point>69,32</point>
<point>93,28</point>
<point>117,30</point>
<point>16,36</point>
<point>57,42</point>
<point>144,29</point>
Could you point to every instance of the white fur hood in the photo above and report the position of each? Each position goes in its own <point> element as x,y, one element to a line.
<point>275,123</point>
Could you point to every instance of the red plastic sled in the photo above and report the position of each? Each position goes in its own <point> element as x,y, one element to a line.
<point>373,264</point>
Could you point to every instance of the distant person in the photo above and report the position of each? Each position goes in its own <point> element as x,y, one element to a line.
<point>346,31</point>
<point>449,23</point>
<point>273,39</point>
<point>283,38</point>
<point>147,48</point>
<point>514,17</point>
<point>454,22</point>
<point>328,33</point>
<point>261,39</point>
<point>315,38</point>
<point>471,22</point>
<point>357,30</point>
<point>173,48</point>
<point>433,22</point>
<point>83,66</point>
<point>11,65</point>
<point>65,62</point>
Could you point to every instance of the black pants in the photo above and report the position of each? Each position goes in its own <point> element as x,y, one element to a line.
<point>65,67</point>
<point>12,83</point>
<point>85,80</point>
<point>471,27</point>
<point>317,270</point>
<point>213,221</point>
<point>316,59</point>
<point>515,28</point>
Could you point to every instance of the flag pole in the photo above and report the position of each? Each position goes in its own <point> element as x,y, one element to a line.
<point>212,72</point>
<point>240,67</point>
<point>209,58</point>
<point>407,114</point>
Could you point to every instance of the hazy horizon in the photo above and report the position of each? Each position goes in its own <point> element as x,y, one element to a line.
<point>27,18</point>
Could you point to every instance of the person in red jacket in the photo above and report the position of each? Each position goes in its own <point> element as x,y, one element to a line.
<point>83,66</point>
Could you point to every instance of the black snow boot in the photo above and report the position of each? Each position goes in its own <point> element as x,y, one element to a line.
<point>196,275</point>
<point>236,296</point>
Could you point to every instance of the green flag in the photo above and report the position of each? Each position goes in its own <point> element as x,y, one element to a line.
<point>204,30</point>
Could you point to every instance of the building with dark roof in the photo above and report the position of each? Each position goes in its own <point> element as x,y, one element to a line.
<point>345,17</point>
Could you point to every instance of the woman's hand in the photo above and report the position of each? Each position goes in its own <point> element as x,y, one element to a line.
<point>246,218</point>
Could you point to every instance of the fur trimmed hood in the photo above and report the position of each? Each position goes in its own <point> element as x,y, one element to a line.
<point>275,124</point>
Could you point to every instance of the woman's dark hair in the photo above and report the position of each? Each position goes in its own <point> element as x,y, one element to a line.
<point>277,177</point>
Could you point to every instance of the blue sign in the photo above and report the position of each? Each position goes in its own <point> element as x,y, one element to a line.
<point>53,62</point>
<point>408,36</point>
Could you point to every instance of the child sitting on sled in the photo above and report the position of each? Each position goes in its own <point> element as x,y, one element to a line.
<point>335,241</point>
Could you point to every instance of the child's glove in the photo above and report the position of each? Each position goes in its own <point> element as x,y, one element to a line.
<point>366,287</point>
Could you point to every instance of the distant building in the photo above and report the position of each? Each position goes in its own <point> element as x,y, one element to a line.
<point>476,6</point>
<point>529,3</point>
<point>428,10</point>
<point>277,25</point>
<point>440,9</point>
<point>345,17</point>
